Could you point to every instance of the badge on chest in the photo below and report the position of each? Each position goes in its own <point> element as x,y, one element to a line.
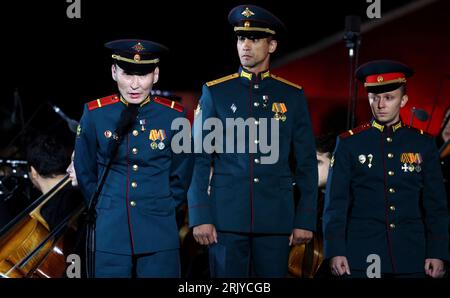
<point>411,162</point>
<point>366,160</point>
<point>157,136</point>
<point>280,109</point>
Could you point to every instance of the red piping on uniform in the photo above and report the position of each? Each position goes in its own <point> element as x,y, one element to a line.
<point>386,206</point>
<point>127,199</point>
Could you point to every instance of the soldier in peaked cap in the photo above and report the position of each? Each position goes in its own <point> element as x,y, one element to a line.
<point>136,231</point>
<point>249,218</point>
<point>385,206</point>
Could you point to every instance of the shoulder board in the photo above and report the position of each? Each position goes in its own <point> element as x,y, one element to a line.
<point>101,102</point>
<point>419,131</point>
<point>285,81</point>
<point>355,130</point>
<point>168,103</point>
<point>221,80</point>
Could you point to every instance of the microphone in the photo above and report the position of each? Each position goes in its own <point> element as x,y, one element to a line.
<point>126,121</point>
<point>420,114</point>
<point>352,32</point>
<point>70,122</point>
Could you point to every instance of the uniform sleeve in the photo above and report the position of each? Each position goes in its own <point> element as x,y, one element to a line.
<point>181,173</point>
<point>435,206</point>
<point>305,168</point>
<point>85,161</point>
<point>337,199</point>
<point>199,202</point>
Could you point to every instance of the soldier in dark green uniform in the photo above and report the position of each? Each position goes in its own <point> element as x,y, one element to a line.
<point>249,218</point>
<point>385,206</point>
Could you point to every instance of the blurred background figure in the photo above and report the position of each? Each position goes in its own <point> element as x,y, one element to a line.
<point>306,260</point>
<point>48,160</point>
<point>71,171</point>
<point>443,144</point>
<point>324,149</point>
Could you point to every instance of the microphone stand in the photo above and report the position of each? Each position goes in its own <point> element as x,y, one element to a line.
<point>352,42</point>
<point>91,214</point>
<point>127,118</point>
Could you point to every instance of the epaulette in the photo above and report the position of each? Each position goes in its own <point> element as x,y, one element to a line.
<point>101,102</point>
<point>169,103</point>
<point>221,80</point>
<point>420,131</point>
<point>355,130</point>
<point>286,81</point>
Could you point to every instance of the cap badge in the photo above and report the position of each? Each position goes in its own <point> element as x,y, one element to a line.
<point>137,58</point>
<point>138,47</point>
<point>380,79</point>
<point>247,13</point>
<point>247,24</point>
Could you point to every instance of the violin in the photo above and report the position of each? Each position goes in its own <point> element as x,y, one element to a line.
<point>28,248</point>
<point>305,259</point>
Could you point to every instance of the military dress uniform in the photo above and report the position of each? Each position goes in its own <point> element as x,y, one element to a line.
<point>251,201</point>
<point>385,194</point>
<point>147,181</point>
<point>248,197</point>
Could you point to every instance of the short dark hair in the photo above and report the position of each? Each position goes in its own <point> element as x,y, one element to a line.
<point>325,143</point>
<point>47,156</point>
<point>403,89</point>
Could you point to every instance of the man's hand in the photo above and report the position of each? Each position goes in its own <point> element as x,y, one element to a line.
<point>434,268</point>
<point>300,236</point>
<point>339,266</point>
<point>205,234</point>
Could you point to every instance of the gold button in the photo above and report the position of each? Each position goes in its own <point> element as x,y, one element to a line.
<point>256,160</point>
<point>133,204</point>
<point>256,180</point>
<point>256,104</point>
<point>135,168</point>
<point>392,208</point>
<point>390,155</point>
<point>389,139</point>
<point>391,173</point>
<point>392,226</point>
<point>134,150</point>
<point>133,184</point>
<point>391,190</point>
<point>135,132</point>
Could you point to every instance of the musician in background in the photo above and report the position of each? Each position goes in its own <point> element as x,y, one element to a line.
<point>442,142</point>
<point>308,262</point>
<point>48,161</point>
<point>71,171</point>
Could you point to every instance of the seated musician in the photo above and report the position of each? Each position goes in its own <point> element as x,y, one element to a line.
<point>300,263</point>
<point>71,171</point>
<point>48,161</point>
<point>443,144</point>
<point>442,141</point>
